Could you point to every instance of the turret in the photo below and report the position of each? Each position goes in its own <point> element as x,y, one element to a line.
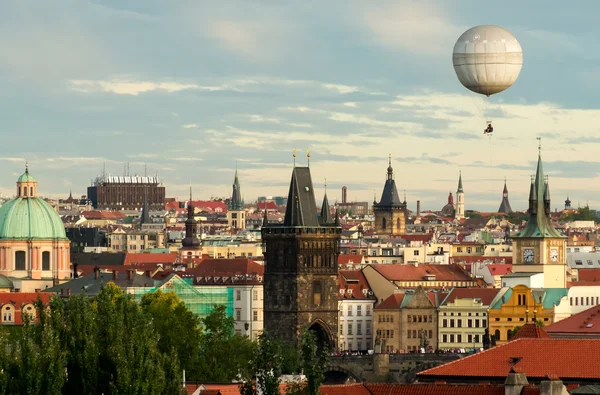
<point>547,197</point>
<point>532,198</point>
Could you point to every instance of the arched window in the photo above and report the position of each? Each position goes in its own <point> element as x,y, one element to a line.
<point>30,310</point>
<point>46,260</point>
<point>383,223</point>
<point>519,300</point>
<point>398,223</point>
<point>497,334</point>
<point>30,191</point>
<point>20,260</point>
<point>8,313</point>
<point>316,293</point>
<point>24,191</point>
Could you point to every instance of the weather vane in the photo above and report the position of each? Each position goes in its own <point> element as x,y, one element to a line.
<point>539,139</point>
<point>294,155</point>
<point>308,156</point>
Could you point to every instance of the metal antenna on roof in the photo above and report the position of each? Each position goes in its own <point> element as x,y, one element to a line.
<point>539,139</point>
<point>325,185</point>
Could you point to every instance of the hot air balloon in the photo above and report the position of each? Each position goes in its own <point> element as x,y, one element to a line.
<point>487,60</point>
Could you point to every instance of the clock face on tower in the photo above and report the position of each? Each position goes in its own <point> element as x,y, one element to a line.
<point>528,255</point>
<point>554,254</point>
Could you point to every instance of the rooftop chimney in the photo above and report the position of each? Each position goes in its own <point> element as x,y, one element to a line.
<point>68,291</point>
<point>130,274</point>
<point>96,273</point>
<point>418,208</point>
<point>115,275</point>
<point>514,383</point>
<point>148,273</point>
<point>553,386</point>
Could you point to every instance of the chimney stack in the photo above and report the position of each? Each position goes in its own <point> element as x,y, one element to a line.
<point>148,273</point>
<point>514,383</point>
<point>68,291</point>
<point>115,275</point>
<point>418,208</point>
<point>344,194</point>
<point>130,274</point>
<point>553,386</point>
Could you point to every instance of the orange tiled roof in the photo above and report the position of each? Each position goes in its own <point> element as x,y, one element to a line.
<point>436,389</point>
<point>392,302</point>
<point>227,267</point>
<point>353,280</point>
<point>499,269</point>
<point>22,298</point>
<point>345,259</point>
<point>537,358</point>
<point>584,323</point>
<point>531,331</point>
<point>108,215</point>
<point>591,275</point>
<point>401,272</point>
<point>133,258</point>
<point>344,389</point>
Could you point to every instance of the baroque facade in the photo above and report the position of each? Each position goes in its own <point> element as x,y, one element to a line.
<point>301,269</point>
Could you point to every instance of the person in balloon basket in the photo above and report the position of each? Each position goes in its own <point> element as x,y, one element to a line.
<point>489,129</point>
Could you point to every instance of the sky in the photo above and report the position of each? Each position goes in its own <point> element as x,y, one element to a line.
<point>187,89</point>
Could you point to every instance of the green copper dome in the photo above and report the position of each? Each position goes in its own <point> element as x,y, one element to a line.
<point>26,177</point>
<point>30,218</point>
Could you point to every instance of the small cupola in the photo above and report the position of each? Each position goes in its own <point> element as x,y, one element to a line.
<point>26,184</point>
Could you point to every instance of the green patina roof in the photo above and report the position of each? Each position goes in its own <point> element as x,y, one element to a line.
<point>26,177</point>
<point>502,299</point>
<point>30,218</point>
<point>539,224</point>
<point>5,282</point>
<point>548,297</point>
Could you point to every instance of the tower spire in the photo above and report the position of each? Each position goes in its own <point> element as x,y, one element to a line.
<point>308,157</point>
<point>294,155</point>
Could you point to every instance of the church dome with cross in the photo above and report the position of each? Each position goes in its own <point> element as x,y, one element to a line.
<point>33,243</point>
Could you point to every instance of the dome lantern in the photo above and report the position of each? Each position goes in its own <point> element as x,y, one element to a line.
<point>26,184</point>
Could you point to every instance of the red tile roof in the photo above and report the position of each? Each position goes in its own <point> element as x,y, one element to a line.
<point>393,302</point>
<point>19,299</point>
<point>582,324</point>
<point>401,272</point>
<point>142,258</point>
<point>344,389</point>
<point>531,331</point>
<point>436,389</point>
<point>106,215</point>
<point>486,295</point>
<point>590,275</point>
<point>210,206</point>
<point>537,358</point>
<point>267,205</point>
<point>355,281</point>
<point>222,267</point>
<point>499,269</point>
<point>416,237</point>
<point>480,258</point>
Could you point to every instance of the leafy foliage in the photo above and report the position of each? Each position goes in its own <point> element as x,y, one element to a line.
<point>582,214</point>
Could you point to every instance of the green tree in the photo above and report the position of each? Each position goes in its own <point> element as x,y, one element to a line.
<point>314,361</point>
<point>224,355</point>
<point>265,368</point>
<point>177,327</point>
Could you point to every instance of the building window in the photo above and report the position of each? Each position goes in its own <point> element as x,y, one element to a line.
<point>359,345</point>
<point>484,323</point>
<point>430,334</point>
<point>497,334</point>
<point>255,316</point>
<point>408,334</point>
<point>445,338</point>
<point>470,338</point>
<point>358,311</point>
<point>368,310</point>
<point>255,295</point>
<point>430,318</point>
<point>451,338</point>
<point>476,338</point>
<point>349,328</point>
<point>444,323</point>
<point>414,333</point>
<point>316,293</point>
<point>341,329</point>
<point>368,327</point>
<point>350,312</point>
<point>46,260</point>
<point>459,338</point>
<point>451,323</point>
<point>416,253</point>
<point>238,294</point>
<point>238,315</point>
<point>359,328</point>
<point>459,323</point>
<point>20,260</point>
<point>383,223</point>
<point>469,323</point>
<point>7,314</point>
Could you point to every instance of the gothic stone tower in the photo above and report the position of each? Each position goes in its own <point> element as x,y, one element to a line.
<point>505,204</point>
<point>540,248</point>
<point>390,213</point>
<point>301,269</point>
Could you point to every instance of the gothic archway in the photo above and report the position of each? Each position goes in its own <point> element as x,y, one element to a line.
<point>323,334</point>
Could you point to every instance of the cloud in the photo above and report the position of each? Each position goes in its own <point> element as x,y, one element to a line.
<point>128,87</point>
<point>189,126</point>
<point>418,28</point>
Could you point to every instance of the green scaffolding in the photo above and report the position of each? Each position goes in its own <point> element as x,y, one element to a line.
<point>201,300</point>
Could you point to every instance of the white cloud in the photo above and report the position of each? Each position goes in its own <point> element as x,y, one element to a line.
<point>260,118</point>
<point>418,28</point>
<point>351,104</point>
<point>128,87</point>
<point>189,126</point>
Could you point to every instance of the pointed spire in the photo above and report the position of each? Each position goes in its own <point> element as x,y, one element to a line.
<point>460,186</point>
<point>308,157</point>
<point>26,166</point>
<point>265,217</point>
<point>145,216</point>
<point>505,188</point>
<point>325,209</point>
<point>390,170</point>
<point>374,198</point>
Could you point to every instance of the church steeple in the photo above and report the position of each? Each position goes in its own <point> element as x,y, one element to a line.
<point>390,169</point>
<point>325,209</point>
<point>145,217</point>
<point>460,186</point>
<point>505,204</point>
<point>460,199</point>
<point>539,223</point>
<point>236,203</point>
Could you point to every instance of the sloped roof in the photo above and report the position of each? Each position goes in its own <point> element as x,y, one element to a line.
<point>353,280</point>
<point>499,269</point>
<point>100,258</point>
<point>537,358</point>
<point>301,204</point>
<point>402,272</point>
<point>107,215</point>
<point>141,258</point>
<point>531,331</point>
<point>436,389</point>
<point>91,286</point>
<point>344,389</point>
<point>393,302</point>
<point>581,324</point>
<point>589,275</point>
<point>21,298</point>
<point>345,259</point>
<point>222,267</point>
<point>486,295</point>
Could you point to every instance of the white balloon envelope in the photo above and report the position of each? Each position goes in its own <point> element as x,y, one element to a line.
<point>487,59</point>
